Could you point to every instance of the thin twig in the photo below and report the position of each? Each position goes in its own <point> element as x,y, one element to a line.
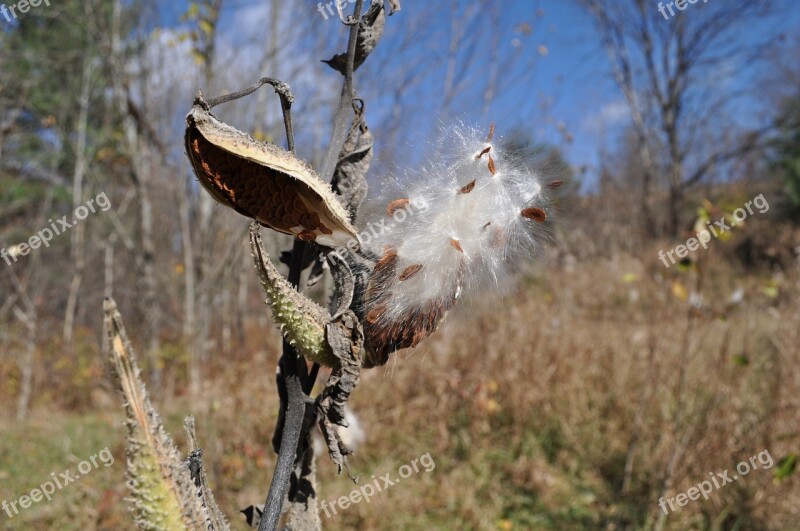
<point>339,133</point>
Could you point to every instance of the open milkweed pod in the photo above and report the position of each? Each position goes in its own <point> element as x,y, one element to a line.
<point>465,223</point>
<point>385,333</point>
<point>263,181</point>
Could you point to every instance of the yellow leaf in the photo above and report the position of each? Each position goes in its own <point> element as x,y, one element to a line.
<point>207,28</point>
<point>679,291</point>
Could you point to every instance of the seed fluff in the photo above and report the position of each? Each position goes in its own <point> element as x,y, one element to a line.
<point>462,224</point>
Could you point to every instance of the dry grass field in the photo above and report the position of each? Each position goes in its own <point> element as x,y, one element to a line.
<point>603,382</point>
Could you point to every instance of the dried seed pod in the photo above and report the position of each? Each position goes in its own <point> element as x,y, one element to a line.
<point>382,337</point>
<point>263,181</point>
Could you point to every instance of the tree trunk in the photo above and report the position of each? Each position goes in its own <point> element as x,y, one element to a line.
<point>78,232</point>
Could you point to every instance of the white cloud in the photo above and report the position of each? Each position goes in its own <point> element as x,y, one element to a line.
<point>610,115</point>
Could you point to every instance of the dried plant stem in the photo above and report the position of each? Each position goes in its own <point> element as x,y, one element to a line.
<point>293,378</point>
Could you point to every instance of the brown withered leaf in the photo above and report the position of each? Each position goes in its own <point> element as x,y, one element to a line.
<point>370,31</point>
<point>349,178</point>
<point>264,182</point>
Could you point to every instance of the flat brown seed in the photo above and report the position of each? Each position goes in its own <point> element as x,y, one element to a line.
<point>468,188</point>
<point>410,271</point>
<point>553,185</point>
<point>307,236</point>
<point>375,314</point>
<point>486,150</point>
<point>389,255</point>
<point>536,214</point>
<point>456,245</point>
<point>491,132</point>
<point>492,167</point>
<point>397,204</point>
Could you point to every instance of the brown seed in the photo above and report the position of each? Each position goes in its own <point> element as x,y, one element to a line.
<point>375,314</point>
<point>389,256</point>
<point>487,224</point>
<point>307,236</point>
<point>486,150</point>
<point>491,132</point>
<point>553,185</point>
<point>410,271</point>
<point>456,245</point>
<point>492,167</point>
<point>468,188</point>
<point>397,204</point>
<point>536,214</point>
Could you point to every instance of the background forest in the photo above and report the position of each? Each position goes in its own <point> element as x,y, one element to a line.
<point>601,383</point>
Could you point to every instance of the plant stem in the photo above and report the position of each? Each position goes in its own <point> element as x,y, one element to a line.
<point>293,370</point>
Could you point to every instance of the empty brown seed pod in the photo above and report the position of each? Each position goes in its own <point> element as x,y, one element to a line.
<point>263,181</point>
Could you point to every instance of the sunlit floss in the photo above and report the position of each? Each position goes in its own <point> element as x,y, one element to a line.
<point>486,218</point>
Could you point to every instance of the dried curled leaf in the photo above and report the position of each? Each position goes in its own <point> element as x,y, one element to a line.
<point>350,177</point>
<point>370,31</point>
<point>264,182</point>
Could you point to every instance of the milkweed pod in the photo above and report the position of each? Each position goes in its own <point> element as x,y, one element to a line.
<point>264,182</point>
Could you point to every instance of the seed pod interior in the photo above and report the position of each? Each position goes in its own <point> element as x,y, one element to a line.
<point>265,182</point>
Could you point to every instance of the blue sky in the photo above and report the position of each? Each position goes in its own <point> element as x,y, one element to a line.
<point>564,83</point>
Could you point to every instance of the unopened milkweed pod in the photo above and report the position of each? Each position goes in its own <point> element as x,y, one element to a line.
<point>263,181</point>
<point>465,223</point>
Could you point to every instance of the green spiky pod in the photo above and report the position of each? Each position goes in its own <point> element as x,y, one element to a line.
<point>301,320</point>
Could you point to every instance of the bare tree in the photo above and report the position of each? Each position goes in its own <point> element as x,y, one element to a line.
<point>662,65</point>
